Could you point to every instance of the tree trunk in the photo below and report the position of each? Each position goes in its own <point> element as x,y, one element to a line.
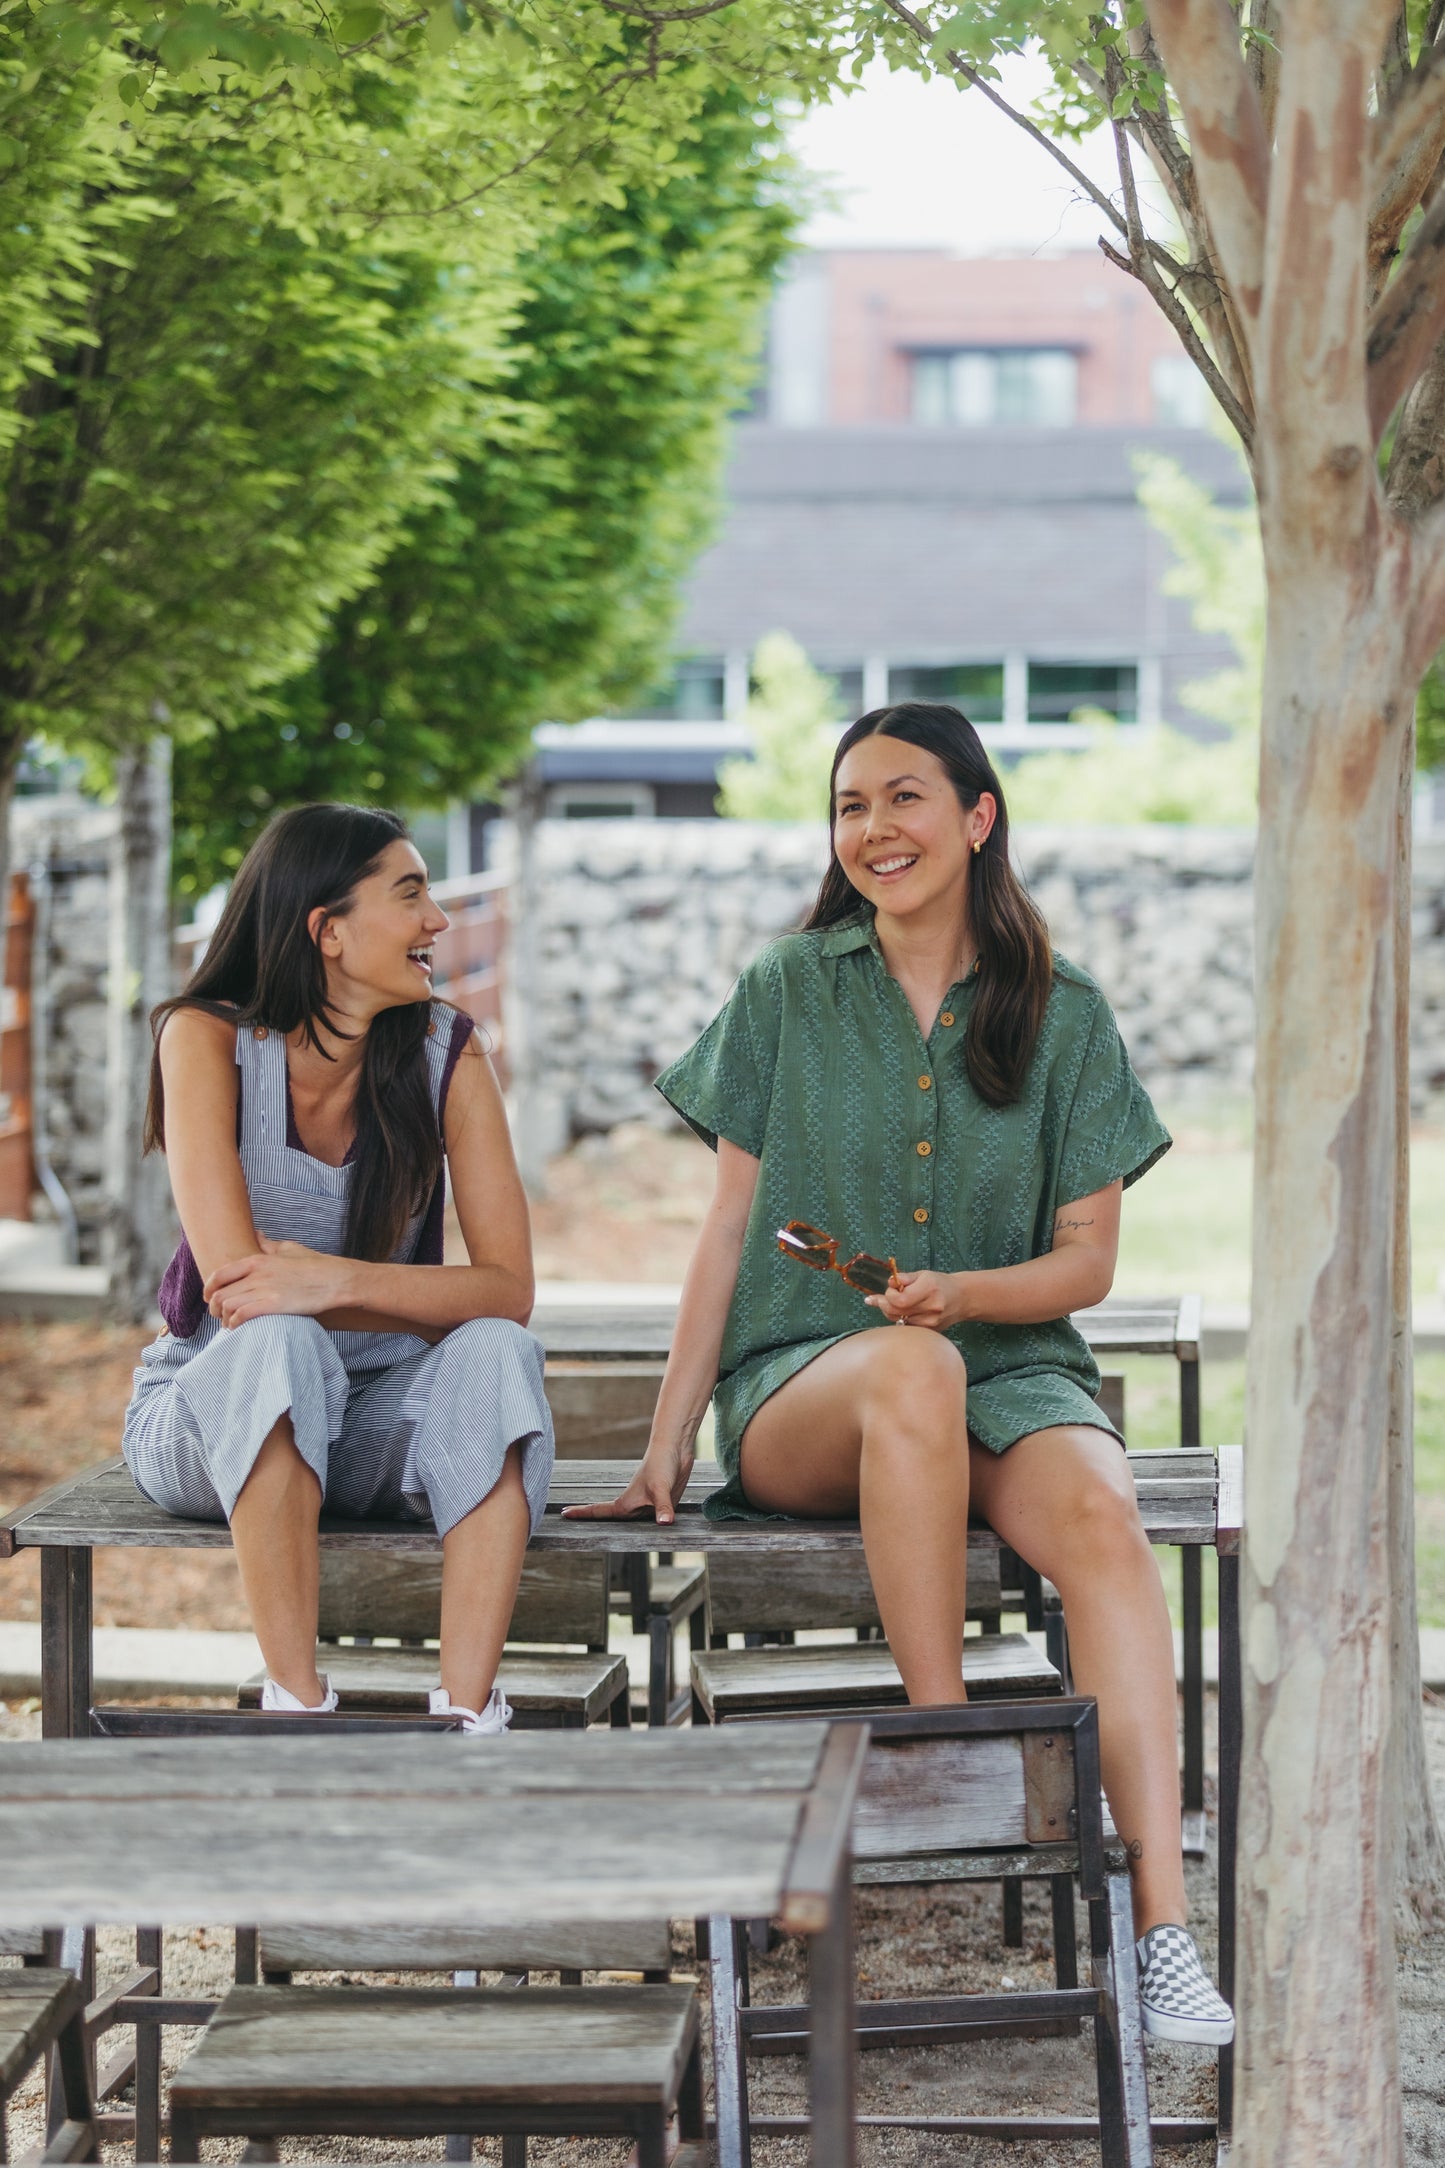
<point>140,1227</point>
<point>1419,1852</point>
<point>1318,2063</point>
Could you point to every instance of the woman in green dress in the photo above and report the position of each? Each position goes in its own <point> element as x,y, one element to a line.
<point>918,1075</point>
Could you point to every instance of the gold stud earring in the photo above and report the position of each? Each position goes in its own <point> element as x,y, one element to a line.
<point>977,848</point>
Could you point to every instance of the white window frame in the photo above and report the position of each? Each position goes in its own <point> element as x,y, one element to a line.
<point>633,801</point>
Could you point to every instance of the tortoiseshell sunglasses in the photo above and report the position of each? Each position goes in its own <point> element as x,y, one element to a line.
<point>811,1247</point>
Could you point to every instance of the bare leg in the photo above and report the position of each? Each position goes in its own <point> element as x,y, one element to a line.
<point>273,1527</point>
<point>481,1566</point>
<point>1064,1500</point>
<point>877,1426</point>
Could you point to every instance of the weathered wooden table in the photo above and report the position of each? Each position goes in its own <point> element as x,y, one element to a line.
<point>750,1822</point>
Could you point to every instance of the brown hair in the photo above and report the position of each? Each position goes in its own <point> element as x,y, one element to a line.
<point>1016,962</point>
<point>261,966</point>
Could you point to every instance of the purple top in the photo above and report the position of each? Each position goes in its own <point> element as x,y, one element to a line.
<point>181,1299</point>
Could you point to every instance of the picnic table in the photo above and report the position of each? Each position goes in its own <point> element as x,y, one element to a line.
<point>749,1822</point>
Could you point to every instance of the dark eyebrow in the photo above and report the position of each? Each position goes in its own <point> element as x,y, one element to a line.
<point>892,784</point>
<point>402,879</point>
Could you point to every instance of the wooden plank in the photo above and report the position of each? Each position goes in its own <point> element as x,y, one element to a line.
<point>35,2002</point>
<point>527,1946</point>
<point>922,1795</point>
<point>1230,1519</point>
<point>449,1861</point>
<point>778,1591</point>
<point>823,1832</point>
<point>738,1682</point>
<point>354,2048</point>
<point>395,1679</point>
<point>744,1762</point>
<point>559,1600</point>
<point>1189,1328</point>
<point>602,1411</point>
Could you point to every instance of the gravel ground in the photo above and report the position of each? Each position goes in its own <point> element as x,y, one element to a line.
<point>910,1941</point>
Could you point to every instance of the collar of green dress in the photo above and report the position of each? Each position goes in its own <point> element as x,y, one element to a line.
<point>851,933</point>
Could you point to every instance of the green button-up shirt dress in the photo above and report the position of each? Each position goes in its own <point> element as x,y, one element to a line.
<point>816,1066</point>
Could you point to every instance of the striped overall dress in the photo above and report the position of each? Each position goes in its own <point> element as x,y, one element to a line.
<point>393,1429</point>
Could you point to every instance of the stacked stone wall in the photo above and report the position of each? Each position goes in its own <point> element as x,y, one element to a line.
<point>641,927</point>
<point>74,840</point>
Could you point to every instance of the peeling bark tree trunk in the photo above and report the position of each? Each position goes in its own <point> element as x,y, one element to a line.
<point>1419,1852</point>
<point>140,1219</point>
<point>1318,2070</point>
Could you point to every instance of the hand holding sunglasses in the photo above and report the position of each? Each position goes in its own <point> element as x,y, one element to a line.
<point>819,1252</point>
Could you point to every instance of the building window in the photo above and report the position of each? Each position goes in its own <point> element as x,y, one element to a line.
<point>976,687</point>
<point>980,387</point>
<point>601,801</point>
<point>1064,692</point>
<point>848,687</point>
<point>695,693</point>
<point>1182,399</point>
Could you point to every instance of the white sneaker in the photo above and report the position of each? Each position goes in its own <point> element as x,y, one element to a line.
<point>1177,1998</point>
<point>496,1716</point>
<point>276,1697</point>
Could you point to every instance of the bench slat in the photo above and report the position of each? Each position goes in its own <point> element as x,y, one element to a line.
<point>362,2047</point>
<point>734,1682</point>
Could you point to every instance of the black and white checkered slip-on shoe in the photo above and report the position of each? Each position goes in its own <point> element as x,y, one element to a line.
<point>1177,1996</point>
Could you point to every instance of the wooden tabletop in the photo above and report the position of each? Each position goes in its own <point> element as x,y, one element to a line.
<point>750,1820</point>
<point>103,1509</point>
<point>1124,1325</point>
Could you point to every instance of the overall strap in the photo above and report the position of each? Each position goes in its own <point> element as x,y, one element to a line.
<point>261,1059</point>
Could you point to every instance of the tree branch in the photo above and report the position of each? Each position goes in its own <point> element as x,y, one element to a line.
<point>1415,478</point>
<point>1427,603</point>
<point>1406,145</point>
<point>970,75</point>
<point>666,15</point>
<point>1148,276</point>
<point>1407,321</point>
<point>1199,40</point>
<point>1262,59</point>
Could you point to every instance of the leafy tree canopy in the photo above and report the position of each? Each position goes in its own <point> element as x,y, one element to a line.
<point>540,582</point>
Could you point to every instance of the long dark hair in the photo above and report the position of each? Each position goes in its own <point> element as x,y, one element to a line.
<point>1015,960</point>
<point>262,967</point>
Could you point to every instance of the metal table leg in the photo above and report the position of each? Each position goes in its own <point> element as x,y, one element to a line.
<point>65,1644</point>
<point>833,2045</point>
<point>1231,1724</point>
<point>728,1962</point>
<point>1192,1591</point>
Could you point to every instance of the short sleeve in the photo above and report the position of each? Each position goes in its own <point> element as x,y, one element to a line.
<point>723,1085</point>
<point>1112,1133</point>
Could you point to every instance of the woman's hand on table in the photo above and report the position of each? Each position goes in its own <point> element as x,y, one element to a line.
<point>282,1278</point>
<point>656,1488</point>
<point>930,1299</point>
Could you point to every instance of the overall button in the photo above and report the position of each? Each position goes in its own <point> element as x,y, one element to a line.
<point>924,1150</point>
<point>259,1032</point>
<point>925,1083</point>
<point>920,1215</point>
<point>946,1018</point>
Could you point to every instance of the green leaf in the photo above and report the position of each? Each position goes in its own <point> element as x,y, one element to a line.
<point>129,88</point>
<point>442,28</point>
<point>1123,104</point>
<point>359,24</point>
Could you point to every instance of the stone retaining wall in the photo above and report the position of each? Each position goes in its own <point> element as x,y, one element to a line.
<point>642,926</point>
<point>76,840</point>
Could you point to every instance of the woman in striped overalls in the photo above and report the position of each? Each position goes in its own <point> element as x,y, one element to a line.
<point>311,1098</point>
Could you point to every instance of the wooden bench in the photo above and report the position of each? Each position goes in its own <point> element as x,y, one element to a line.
<point>973,1793</point>
<point>409,2062</point>
<point>373,1597</point>
<point>43,2008</point>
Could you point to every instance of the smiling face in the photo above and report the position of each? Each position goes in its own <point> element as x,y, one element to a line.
<point>378,950</point>
<point>903,837</point>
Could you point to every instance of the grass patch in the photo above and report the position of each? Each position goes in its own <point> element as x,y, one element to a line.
<point>1151,1405</point>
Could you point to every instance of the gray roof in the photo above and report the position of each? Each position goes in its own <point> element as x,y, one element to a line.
<point>934,544</point>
